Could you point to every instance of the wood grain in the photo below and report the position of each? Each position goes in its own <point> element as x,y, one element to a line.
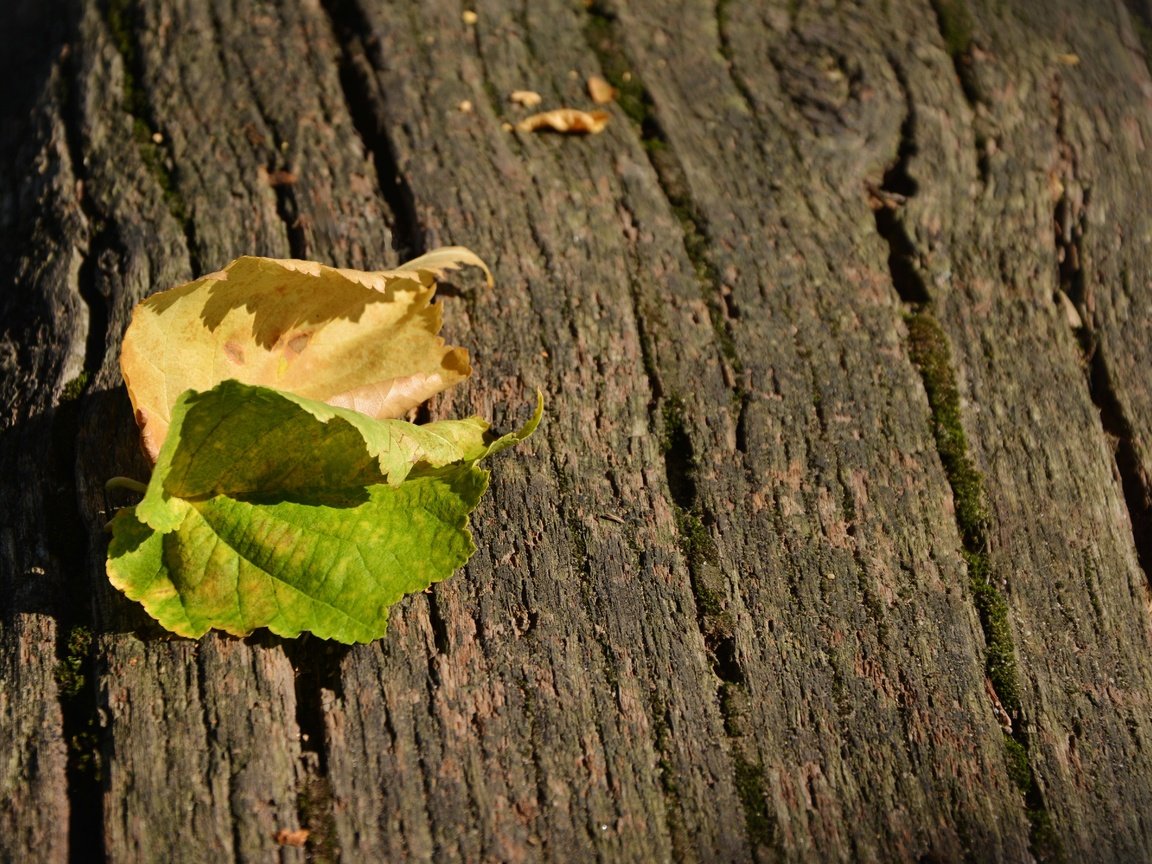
<point>833,545</point>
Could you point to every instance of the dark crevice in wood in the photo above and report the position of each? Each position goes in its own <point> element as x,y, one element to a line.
<point>636,102</point>
<point>1140,14</point>
<point>1070,223</point>
<point>357,64</point>
<point>931,354</point>
<point>101,234</point>
<point>316,664</point>
<point>76,648</point>
<point>896,188</point>
<point>700,553</point>
<point>954,21</point>
<point>1134,484</point>
<point>1133,481</point>
<point>721,14</point>
<point>122,18</point>
<point>439,626</point>
<point>278,164</point>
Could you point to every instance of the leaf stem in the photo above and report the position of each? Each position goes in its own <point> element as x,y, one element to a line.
<point>126,483</point>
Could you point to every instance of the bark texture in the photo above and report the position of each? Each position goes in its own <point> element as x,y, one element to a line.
<point>835,544</point>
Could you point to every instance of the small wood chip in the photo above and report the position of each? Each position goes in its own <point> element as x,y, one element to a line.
<point>527,98</point>
<point>569,121</point>
<point>601,91</point>
<point>1068,59</point>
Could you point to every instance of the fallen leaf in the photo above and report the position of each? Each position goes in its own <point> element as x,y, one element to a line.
<point>267,509</point>
<point>527,98</point>
<point>361,340</point>
<point>601,91</point>
<point>287,837</point>
<point>566,120</point>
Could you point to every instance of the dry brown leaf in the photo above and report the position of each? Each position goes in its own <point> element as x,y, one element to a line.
<point>566,120</point>
<point>527,98</point>
<point>286,837</point>
<point>354,339</point>
<point>601,91</point>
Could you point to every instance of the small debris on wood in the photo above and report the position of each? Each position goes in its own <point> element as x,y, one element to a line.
<point>882,199</point>
<point>1068,59</point>
<point>527,98</point>
<point>465,107</point>
<point>1071,313</point>
<point>569,121</point>
<point>280,178</point>
<point>601,91</point>
<point>289,837</point>
<point>469,17</point>
<point>1002,717</point>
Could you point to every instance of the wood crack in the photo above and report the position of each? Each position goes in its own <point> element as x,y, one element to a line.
<point>359,57</point>
<point>122,17</point>
<point>954,21</point>
<point>707,581</point>
<point>281,175</point>
<point>76,646</point>
<point>930,353</point>
<point>1070,224</point>
<point>316,664</point>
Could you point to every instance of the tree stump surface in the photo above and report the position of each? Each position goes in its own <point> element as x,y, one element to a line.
<point>835,542</point>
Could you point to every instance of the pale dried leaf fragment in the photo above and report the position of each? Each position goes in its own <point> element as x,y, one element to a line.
<point>601,91</point>
<point>363,340</point>
<point>569,121</point>
<point>527,98</point>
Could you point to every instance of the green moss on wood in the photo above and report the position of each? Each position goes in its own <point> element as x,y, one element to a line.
<point>955,21</point>
<point>758,820</point>
<point>122,17</point>
<point>75,387</point>
<point>930,352</point>
<point>70,676</point>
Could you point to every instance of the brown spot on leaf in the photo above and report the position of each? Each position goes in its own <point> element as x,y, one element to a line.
<point>297,343</point>
<point>234,352</point>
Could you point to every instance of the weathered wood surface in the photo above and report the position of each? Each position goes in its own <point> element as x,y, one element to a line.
<point>835,543</point>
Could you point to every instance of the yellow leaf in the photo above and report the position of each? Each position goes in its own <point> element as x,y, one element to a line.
<point>368,341</point>
<point>567,120</point>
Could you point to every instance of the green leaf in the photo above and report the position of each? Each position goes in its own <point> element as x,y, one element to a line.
<point>269,510</point>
